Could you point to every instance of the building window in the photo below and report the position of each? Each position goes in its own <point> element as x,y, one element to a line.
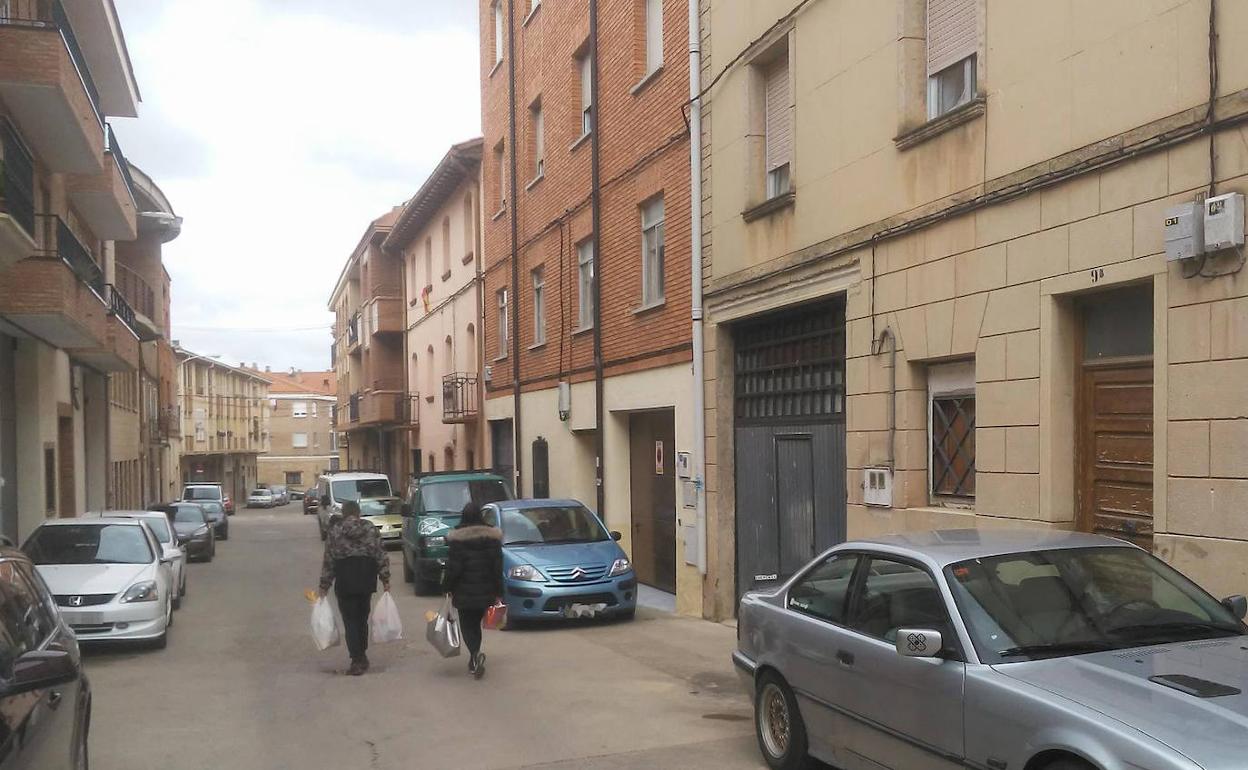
<point>498,32</point>
<point>428,261</point>
<point>313,408</point>
<point>587,94</point>
<point>299,440</point>
<point>778,130</point>
<point>500,163</point>
<point>446,246</point>
<point>299,409</point>
<point>539,307</point>
<point>652,252</point>
<point>503,327</point>
<point>294,478</point>
<point>951,426</point>
<point>952,40</point>
<point>469,228</point>
<point>654,35</point>
<point>538,140</point>
<point>585,283</point>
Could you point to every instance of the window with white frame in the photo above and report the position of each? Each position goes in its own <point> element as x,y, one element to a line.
<point>498,31</point>
<point>654,35</point>
<point>538,123</point>
<point>951,431</point>
<point>539,306</point>
<point>503,327</point>
<point>652,248</point>
<point>299,440</point>
<point>585,284</point>
<point>587,94</point>
<point>533,4</point>
<point>299,409</point>
<point>778,127</point>
<point>952,42</point>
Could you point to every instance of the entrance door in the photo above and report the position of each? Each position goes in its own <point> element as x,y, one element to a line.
<point>1115,416</point>
<point>503,447</point>
<point>652,480</point>
<point>65,465</point>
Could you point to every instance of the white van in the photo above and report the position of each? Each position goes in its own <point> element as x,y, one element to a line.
<point>334,489</point>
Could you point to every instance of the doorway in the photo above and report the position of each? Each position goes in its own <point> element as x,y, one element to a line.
<point>652,482</point>
<point>65,466</point>
<point>1114,457</point>
<point>503,447</point>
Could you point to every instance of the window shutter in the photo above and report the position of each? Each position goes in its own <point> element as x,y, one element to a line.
<point>779,128</point>
<point>951,33</point>
<point>587,97</point>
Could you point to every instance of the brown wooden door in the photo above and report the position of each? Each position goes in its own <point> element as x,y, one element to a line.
<point>65,471</point>
<point>1116,451</point>
<point>652,460</point>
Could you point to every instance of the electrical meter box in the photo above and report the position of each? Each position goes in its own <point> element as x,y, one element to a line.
<point>1185,231</point>
<point>877,487</point>
<point>1224,222</point>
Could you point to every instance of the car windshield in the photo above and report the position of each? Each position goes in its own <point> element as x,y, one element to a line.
<point>358,488</point>
<point>188,514</point>
<point>260,493</point>
<point>451,496</point>
<point>202,493</point>
<point>212,508</point>
<point>1044,604</point>
<point>379,507</point>
<point>160,528</point>
<point>551,525</point>
<point>89,544</point>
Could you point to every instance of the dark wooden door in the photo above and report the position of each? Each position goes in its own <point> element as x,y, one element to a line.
<point>1116,451</point>
<point>65,474</point>
<point>653,485</point>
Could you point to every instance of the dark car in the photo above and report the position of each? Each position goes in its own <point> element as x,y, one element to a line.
<point>310,503</point>
<point>215,513</point>
<point>45,698</point>
<point>434,502</point>
<point>195,531</point>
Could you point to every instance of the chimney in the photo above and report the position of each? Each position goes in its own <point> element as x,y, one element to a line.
<point>267,370</point>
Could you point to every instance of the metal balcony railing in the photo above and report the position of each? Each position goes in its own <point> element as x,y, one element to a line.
<point>169,422</point>
<point>136,291</point>
<point>60,241</point>
<point>353,408</point>
<point>353,330</point>
<point>118,306</point>
<point>114,149</point>
<point>17,178</point>
<point>459,397</point>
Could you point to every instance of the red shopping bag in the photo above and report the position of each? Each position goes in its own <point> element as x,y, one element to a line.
<point>495,616</point>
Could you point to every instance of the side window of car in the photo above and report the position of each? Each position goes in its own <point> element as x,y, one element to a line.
<point>897,595</point>
<point>27,618</point>
<point>823,591</point>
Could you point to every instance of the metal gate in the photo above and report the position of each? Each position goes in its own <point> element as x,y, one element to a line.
<point>789,405</point>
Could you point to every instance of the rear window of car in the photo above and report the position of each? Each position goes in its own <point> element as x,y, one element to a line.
<point>202,493</point>
<point>188,513</point>
<point>89,544</point>
<point>360,488</point>
<point>444,497</point>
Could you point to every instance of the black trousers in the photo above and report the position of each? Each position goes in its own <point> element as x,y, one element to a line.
<point>355,609</point>
<point>470,626</point>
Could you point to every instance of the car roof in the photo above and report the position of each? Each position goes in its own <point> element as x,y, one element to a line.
<point>124,514</point>
<point>90,520</point>
<point>437,478</point>
<point>354,476</point>
<point>202,484</point>
<point>553,502</point>
<point>948,546</point>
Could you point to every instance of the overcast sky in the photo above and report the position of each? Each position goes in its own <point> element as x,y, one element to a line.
<point>279,129</point>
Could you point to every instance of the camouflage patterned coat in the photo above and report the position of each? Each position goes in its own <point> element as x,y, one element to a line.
<point>354,557</point>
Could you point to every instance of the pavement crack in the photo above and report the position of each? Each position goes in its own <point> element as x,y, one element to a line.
<point>374,759</point>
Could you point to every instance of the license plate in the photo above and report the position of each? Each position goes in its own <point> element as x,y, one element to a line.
<point>583,610</point>
<point>86,618</point>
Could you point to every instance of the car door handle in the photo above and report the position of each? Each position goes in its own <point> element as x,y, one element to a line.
<point>54,699</point>
<point>845,658</point>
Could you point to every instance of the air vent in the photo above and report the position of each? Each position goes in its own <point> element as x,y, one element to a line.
<point>1201,688</point>
<point>1141,653</point>
<point>1203,645</point>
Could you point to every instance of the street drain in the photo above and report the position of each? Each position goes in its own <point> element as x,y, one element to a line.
<point>727,717</point>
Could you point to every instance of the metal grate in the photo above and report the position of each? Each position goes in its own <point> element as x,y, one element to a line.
<point>791,366</point>
<point>953,446</point>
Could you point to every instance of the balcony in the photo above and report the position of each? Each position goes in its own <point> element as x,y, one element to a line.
<point>353,334</point>
<point>387,316</point>
<point>142,298</point>
<point>386,407</point>
<point>47,86</point>
<point>106,200</point>
<point>353,408</point>
<point>17,197</point>
<point>411,409</point>
<point>460,403</point>
<point>169,423</point>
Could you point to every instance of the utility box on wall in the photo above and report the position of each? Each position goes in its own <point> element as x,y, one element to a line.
<point>1224,222</point>
<point>877,487</point>
<point>1185,231</point>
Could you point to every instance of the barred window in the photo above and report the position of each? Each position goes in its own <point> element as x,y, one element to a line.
<point>951,390</point>
<point>791,366</point>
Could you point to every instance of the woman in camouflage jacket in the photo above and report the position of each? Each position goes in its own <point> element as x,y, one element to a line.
<point>353,563</point>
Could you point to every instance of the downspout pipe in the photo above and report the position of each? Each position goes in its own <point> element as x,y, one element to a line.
<point>695,277</point>
<point>887,334</point>
<point>596,214</point>
<point>514,304</point>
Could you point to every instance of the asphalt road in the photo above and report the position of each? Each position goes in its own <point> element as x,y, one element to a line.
<point>242,686</point>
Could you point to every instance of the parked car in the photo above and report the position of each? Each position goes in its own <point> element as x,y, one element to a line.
<point>434,502</point>
<point>296,494</point>
<point>260,498</point>
<point>280,494</point>
<point>559,561</point>
<point>1058,651</point>
<point>334,489</point>
<point>158,521</point>
<point>310,502</point>
<point>209,491</point>
<point>45,701</point>
<point>386,513</point>
<point>194,530</point>
<point>215,513</point>
<point>110,577</point>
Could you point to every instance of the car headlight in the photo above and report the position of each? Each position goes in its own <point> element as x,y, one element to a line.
<point>526,572</point>
<point>620,567</point>
<point>200,533</point>
<point>140,592</point>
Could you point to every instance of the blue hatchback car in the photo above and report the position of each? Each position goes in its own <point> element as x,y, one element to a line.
<point>559,561</point>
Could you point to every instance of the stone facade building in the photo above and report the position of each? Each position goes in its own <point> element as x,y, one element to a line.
<point>302,441</point>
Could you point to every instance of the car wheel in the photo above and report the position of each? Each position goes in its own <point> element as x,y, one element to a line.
<point>82,755</point>
<point>322,532</point>
<point>225,535</point>
<point>628,616</point>
<point>778,725</point>
<point>182,588</point>
<point>408,575</point>
<point>177,602</point>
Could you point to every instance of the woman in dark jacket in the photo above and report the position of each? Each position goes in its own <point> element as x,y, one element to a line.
<point>474,578</point>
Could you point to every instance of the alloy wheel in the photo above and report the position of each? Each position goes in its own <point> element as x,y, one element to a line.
<point>773,721</point>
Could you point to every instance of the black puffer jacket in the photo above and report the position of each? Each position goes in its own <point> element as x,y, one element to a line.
<point>474,571</point>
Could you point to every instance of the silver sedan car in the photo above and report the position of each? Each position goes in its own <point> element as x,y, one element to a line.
<point>1009,650</point>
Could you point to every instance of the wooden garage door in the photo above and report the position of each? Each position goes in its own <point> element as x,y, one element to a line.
<point>1116,451</point>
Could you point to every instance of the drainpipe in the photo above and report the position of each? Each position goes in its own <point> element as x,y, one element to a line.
<point>695,277</point>
<point>514,304</point>
<point>887,334</point>
<point>596,212</point>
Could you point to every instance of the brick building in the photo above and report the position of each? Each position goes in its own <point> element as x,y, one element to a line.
<point>302,440</point>
<point>542,319</point>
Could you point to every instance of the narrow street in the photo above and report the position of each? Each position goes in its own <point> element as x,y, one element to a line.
<point>241,685</point>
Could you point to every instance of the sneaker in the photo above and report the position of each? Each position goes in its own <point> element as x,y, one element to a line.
<point>472,665</point>
<point>479,670</point>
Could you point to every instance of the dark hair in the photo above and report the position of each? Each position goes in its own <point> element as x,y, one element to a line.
<point>471,515</point>
<point>350,508</point>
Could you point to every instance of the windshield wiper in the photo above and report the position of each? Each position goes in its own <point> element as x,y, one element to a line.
<point>525,542</point>
<point>1056,648</point>
<point>1174,626</point>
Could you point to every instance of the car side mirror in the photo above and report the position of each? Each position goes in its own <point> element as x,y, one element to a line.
<point>919,643</point>
<point>616,536</point>
<point>39,669</point>
<point>1237,604</point>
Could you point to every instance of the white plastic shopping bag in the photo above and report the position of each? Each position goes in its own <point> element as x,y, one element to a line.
<point>326,631</point>
<point>384,622</point>
<point>443,630</point>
